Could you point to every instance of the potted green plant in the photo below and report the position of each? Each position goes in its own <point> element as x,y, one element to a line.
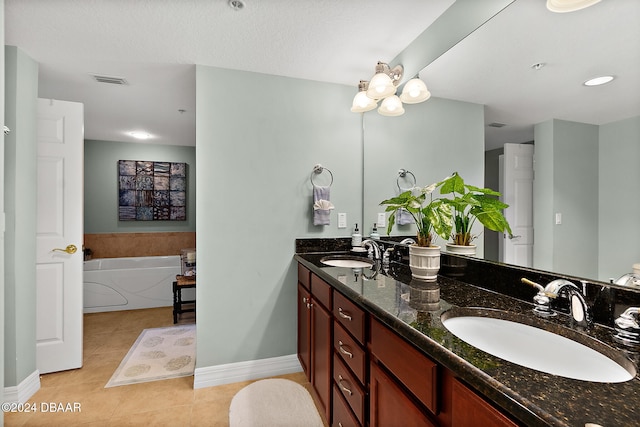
<point>468,204</point>
<point>430,218</point>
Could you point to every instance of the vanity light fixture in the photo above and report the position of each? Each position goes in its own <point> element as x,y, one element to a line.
<point>562,6</point>
<point>383,86</point>
<point>597,81</point>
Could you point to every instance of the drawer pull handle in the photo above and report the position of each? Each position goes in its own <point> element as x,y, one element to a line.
<point>304,300</point>
<point>309,305</point>
<point>339,424</point>
<point>343,351</point>
<point>344,314</point>
<point>340,379</point>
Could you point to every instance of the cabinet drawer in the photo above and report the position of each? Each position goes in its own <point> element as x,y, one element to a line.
<point>349,388</point>
<point>342,415</point>
<point>303,276</point>
<point>349,351</point>
<point>349,315</point>
<point>415,370</point>
<point>321,291</point>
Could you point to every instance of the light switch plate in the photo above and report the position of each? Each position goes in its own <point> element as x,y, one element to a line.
<point>342,220</point>
<point>558,218</point>
<point>382,219</point>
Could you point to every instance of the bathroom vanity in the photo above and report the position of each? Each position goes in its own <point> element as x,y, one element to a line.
<point>375,349</point>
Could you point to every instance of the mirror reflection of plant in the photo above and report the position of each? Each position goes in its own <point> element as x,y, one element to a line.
<point>434,217</point>
<point>470,203</point>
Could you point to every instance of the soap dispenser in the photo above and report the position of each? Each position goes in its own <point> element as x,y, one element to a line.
<point>356,237</point>
<point>374,232</point>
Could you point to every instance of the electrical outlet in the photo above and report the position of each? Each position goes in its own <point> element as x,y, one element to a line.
<point>342,220</point>
<point>558,218</point>
<point>382,219</point>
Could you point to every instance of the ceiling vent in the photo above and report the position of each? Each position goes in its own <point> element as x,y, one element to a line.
<point>109,79</point>
<point>496,125</point>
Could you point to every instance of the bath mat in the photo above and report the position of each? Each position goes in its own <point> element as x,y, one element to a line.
<point>158,354</point>
<point>273,402</point>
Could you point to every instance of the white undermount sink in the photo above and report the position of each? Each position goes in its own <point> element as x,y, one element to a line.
<point>347,261</point>
<point>537,348</point>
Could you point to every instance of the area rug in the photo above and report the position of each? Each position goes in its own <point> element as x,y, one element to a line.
<point>158,354</point>
<point>273,402</point>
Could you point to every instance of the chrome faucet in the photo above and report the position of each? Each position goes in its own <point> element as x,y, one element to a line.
<point>408,241</point>
<point>577,304</point>
<point>374,246</point>
<point>627,327</point>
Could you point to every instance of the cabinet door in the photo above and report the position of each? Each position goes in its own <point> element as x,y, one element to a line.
<point>304,330</point>
<point>321,352</point>
<point>469,410</point>
<point>390,406</point>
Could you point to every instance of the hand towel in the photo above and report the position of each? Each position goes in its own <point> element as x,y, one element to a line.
<point>321,205</point>
<point>403,217</point>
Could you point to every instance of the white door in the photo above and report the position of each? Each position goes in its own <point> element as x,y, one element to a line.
<point>59,261</point>
<point>517,192</point>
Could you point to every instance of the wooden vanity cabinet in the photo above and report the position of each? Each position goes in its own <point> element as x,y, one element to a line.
<point>365,374</point>
<point>315,334</point>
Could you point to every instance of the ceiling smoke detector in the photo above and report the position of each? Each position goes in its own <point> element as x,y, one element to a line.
<point>109,79</point>
<point>236,4</point>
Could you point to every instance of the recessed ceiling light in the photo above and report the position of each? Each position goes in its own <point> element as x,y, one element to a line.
<point>140,135</point>
<point>236,4</point>
<point>597,81</point>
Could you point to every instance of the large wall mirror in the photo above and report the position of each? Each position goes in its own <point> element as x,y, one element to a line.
<point>488,91</point>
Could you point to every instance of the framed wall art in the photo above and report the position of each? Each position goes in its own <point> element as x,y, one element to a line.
<point>152,191</point>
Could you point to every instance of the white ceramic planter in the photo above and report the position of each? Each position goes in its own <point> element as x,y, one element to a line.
<point>461,250</point>
<point>424,262</point>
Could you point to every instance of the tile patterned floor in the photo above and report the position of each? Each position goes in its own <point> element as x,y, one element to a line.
<point>107,339</point>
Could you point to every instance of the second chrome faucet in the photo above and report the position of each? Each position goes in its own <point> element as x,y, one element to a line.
<point>560,288</point>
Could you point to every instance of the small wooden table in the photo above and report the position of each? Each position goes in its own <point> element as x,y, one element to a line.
<point>182,282</point>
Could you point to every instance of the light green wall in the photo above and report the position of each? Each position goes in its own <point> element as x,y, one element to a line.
<point>619,190</point>
<point>542,196</point>
<point>101,185</point>
<point>258,138</point>
<point>566,182</point>
<point>432,139</point>
<point>21,93</point>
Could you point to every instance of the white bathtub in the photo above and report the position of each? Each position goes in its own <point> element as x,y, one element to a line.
<point>112,284</point>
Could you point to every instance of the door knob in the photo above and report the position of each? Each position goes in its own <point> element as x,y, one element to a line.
<point>70,249</point>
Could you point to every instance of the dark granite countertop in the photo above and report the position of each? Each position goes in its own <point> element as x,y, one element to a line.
<point>413,308</point>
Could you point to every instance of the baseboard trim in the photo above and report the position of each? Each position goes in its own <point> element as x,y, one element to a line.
<point>23,391</point>
<point>210,376</point>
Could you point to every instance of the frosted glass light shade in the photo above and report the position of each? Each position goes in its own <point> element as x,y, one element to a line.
<point>391,106</point>
<point>362,103</point>
<point>380,86</point>
<point>414,91</point>
<point>562,6</point>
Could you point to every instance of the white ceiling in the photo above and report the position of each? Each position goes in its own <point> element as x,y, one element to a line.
<point>153,44</point>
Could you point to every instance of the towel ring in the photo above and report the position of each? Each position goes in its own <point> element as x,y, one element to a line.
<point>317,170</point>
<point>402,173</point>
